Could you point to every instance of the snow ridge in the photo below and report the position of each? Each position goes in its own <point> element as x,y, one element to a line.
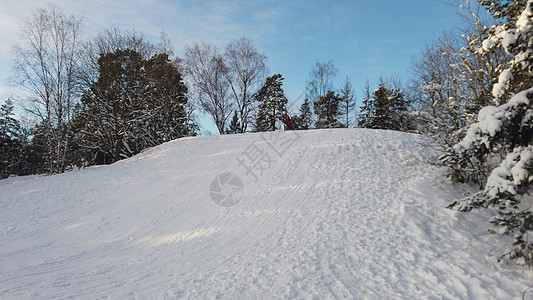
<point>342,213</point>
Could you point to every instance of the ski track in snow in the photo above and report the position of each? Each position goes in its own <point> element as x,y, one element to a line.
<point>355,214</point>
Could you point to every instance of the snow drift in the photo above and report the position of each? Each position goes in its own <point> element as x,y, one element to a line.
<point>347,213</point>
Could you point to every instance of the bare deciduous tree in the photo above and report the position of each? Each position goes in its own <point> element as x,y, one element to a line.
<point>206,72</point>
<point>45,65</point>
<point>451,80</point>
<point>320,80</point>
<point>246,71</point>
<point>108,41</point>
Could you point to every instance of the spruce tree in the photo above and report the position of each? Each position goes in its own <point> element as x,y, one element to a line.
<point>382,108</point>
<point>504,133</point>
<point>304,120</point>
<point>390,109</point>
<point>347,105</point>
<point>10,146</point>
<point>385,108</point>
<point>9,127</point>
<point>235,125</point>
<point>367,109</point>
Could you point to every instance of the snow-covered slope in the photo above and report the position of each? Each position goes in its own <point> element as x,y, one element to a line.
<point>328,214</point>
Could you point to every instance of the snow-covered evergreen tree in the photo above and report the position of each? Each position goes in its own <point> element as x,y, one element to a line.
<point>135,103</point>
<point>451,80</point>
<point>497,152</point>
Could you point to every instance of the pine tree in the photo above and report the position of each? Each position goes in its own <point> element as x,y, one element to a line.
<point>327,111</point>
<point>167,100</point>
<point>507,10</point>
<point>272,103</point>
<point>385,108</point>
<point>504,132</point>
<point>135,103</point>
<point>114,108</point>
<point>389,109</point>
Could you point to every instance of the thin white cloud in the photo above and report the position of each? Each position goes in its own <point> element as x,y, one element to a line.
<point>11,15</point>
<point>294,34</point>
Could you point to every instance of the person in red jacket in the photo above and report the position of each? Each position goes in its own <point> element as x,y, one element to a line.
<point>288,122</point>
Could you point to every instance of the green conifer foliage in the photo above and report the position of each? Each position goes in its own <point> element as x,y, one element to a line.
<point>272,103</point>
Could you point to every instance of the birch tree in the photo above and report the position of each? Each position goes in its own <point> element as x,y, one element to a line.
<point>205,70</point>
<point>45,66</point>
<point>246,71</point>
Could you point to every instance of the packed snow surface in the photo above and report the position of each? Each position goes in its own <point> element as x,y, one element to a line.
<point>345,213</point>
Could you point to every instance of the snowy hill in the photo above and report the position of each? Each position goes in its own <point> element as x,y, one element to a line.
<point>319,214</point>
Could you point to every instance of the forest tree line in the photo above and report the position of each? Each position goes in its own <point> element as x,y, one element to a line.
<point>104,98</point>
<point>108,97</point>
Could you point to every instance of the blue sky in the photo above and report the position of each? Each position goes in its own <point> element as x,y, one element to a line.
<point>365,39</point>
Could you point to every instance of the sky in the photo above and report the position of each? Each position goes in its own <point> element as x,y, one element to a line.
<point>364,39</point>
